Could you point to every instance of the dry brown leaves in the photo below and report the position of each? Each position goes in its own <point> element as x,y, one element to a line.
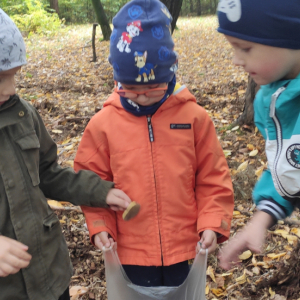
<point>67,88</point>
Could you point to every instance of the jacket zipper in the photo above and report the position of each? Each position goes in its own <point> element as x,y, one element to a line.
<point>272,114</point>
<point>150,129</point>
<point>151,138</point>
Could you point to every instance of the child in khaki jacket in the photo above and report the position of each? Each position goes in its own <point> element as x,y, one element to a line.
<point>34,258</point>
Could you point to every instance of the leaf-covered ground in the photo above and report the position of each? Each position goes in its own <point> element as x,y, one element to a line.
<point>67,88</point>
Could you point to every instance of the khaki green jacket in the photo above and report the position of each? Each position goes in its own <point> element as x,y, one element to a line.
<point>28,174</point>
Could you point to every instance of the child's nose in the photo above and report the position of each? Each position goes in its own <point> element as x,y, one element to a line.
<point>238,61</point>
<point>142,97</point>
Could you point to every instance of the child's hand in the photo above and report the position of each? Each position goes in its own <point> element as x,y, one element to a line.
<point>208,241</point>
<point>117,200</point>
<point>251,237</point>
<point>102,239</point>
<point>13,256</point>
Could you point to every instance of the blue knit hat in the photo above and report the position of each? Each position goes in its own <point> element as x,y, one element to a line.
<point>12,47</point>
<point>269,22</point>
<point>141,45</point>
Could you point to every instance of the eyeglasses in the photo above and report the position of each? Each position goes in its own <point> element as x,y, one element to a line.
<point>148,93</point>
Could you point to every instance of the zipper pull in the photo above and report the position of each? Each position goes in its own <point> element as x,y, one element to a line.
<point>274,99</point>
<point>150,129</point>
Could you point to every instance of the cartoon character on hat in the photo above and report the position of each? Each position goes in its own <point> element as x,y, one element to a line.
<point>133,29</point>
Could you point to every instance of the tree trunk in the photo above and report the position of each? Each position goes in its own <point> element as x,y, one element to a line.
<point>199,11</point>
<point>102,19</point>
<point>174,7</point>
<point>247,117</point>
<point>93,42</point>
<point>191,7</point>
<point>54,5</point>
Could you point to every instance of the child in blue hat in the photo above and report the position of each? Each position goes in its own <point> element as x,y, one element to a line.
<point>266,42</point>
<point>161,148</point>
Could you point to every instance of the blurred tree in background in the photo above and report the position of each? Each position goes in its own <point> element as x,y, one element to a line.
<point>82,11</point>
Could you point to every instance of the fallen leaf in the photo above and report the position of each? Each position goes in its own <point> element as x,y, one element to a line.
<point>295,231</point>
<point>272,293</point>
<point>275,256</point>
<point>243,166</point>
<point>219,292</point>
<point>250,147</point>
<point>210,272</point>
<point>78,290</point>
<point>227,153</point>
<point>242,279</point>
<point>54,203</point>
<point>253,152</point>
<point>245,255</point>
<point>57,131</point>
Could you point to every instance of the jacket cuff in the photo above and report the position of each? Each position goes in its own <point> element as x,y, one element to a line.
<point>218,224</point>
<point>272,208</point>
<point>110,232</point>
<point>102,191</point>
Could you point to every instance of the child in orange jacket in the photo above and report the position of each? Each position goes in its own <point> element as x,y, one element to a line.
<point>160,147</point>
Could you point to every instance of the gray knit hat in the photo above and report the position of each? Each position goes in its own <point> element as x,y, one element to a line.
<point>12,46</point>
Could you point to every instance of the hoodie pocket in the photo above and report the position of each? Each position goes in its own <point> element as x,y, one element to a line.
<point>30,150</point>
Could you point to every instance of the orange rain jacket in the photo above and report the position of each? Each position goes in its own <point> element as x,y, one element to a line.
<point>181,178</point>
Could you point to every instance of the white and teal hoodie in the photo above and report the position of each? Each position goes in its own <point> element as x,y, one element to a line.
<point>277,116</point>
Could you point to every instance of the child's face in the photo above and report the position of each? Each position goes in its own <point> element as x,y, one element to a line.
<point>265,64</point>
<point>7,84</point>
<point>144,99</point>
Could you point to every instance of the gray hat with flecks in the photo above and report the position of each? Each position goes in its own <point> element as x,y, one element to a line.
<point>12,46</point>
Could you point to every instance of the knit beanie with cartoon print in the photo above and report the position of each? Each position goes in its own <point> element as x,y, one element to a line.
<point>12,46</point>
<point>269,22</point>
<point>141,45</point>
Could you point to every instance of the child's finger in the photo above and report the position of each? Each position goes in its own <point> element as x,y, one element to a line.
<point>115,208</point>
<point>198,247</point>
<point>101,239</point>
<point>98,243</point>
<point>17,244</point>
<point>112,242</point>
<point>206,241</point>
<point>16,262</point>
<point>117,203</point>
<point>6,270</point>
<point>122,195</point>
<point>21,254</point>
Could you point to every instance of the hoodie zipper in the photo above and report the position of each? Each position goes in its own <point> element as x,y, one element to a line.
<point>279,139</point>
<point>151,138</point>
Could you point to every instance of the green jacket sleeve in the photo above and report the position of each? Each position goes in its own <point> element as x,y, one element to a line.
<point>64,184</point>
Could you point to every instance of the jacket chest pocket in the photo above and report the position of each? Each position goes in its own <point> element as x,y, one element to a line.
<point>30,150</point>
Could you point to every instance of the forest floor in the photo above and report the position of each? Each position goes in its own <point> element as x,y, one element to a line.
<point>67,88</point>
